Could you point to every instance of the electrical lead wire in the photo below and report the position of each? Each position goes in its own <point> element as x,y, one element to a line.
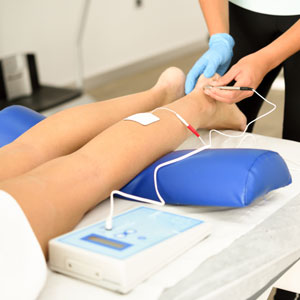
<point>161,202</point>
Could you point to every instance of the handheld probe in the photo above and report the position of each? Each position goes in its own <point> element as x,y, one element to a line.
<point>231,88</point>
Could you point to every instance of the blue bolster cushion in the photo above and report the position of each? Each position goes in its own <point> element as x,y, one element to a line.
<point>15,120</point>
<point>213,177</point>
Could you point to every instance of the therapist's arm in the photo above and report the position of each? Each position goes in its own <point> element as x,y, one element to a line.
<point>216,15</point>
<point>251,69</point>
<point>217,58</point>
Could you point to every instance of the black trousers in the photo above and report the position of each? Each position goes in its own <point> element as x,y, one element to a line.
<point>251,32</point>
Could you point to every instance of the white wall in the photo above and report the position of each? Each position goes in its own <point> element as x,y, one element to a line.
<point>117,33</point>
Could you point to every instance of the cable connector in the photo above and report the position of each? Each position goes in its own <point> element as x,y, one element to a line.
<point>188,126</point>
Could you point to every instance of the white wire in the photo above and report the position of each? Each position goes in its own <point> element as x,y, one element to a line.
<point>180,118</point>
<point>258,118</point>
<point>245,137</point>
<point>108,224</point>
<point>162,202</point>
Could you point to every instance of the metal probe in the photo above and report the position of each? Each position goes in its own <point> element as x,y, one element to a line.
<point>239,88</point>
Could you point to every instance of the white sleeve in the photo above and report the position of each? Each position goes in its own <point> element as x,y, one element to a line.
<point>23,267</point>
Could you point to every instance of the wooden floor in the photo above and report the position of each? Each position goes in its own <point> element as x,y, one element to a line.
<point>270,126</point>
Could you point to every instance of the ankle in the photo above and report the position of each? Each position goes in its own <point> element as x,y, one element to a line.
<point>203,106</point>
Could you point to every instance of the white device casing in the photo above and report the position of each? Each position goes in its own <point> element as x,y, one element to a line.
<point>121,275</point>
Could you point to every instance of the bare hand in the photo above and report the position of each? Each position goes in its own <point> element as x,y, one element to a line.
<point>248,71</point>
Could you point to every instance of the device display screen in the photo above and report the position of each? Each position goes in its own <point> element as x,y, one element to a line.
<point>103,241</point>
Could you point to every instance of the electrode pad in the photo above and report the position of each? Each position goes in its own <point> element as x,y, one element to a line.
<point>143,118</point>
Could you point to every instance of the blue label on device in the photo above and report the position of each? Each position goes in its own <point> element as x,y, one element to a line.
<point>132,232</point>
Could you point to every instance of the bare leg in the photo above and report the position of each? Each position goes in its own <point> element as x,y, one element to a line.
<point>66,131</point>
<point>55,195</point>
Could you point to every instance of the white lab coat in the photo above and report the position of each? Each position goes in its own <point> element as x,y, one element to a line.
<point>23,267</point>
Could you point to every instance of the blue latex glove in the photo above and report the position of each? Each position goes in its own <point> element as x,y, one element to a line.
<point>215,60</point>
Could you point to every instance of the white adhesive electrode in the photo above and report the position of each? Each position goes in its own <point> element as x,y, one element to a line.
<point>143,118</point>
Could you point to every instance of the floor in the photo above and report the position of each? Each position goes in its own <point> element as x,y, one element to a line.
<point>270,126</point>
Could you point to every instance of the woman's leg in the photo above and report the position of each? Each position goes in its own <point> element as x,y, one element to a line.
<point>67,131</point>
<point>56,195</point>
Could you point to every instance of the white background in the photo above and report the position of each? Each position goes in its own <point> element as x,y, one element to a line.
<point>117,33</point>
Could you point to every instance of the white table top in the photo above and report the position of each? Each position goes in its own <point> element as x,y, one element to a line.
<point>240,270</point>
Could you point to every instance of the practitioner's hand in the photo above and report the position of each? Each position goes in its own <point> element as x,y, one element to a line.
<point>248,71</point>
<point>215,60</point>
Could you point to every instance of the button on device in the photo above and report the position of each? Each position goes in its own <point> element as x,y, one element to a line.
<point>125,233</point>
<point>129,231</point>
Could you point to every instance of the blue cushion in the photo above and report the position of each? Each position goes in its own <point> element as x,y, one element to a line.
<point>213,177</point>
<point>15,120</point>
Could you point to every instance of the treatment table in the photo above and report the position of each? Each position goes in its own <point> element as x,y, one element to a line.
<point>247,250</point>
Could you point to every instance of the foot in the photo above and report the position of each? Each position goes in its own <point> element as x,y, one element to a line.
<point>221,115</point>
<point>171,82</point>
